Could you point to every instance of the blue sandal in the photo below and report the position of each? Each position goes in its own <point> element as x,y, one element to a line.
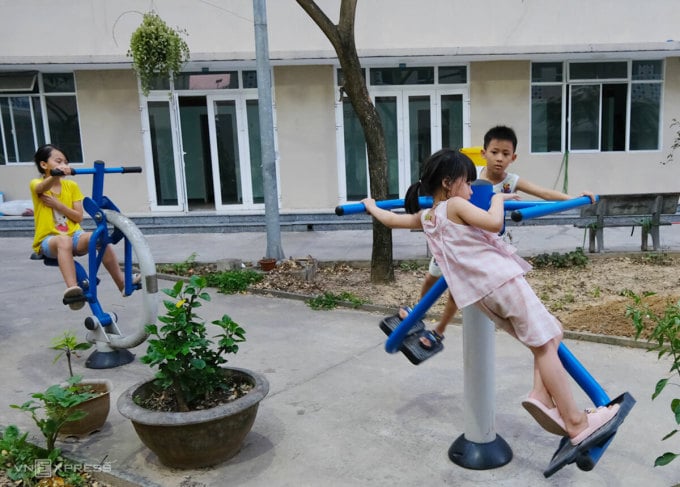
<point>433,337</point>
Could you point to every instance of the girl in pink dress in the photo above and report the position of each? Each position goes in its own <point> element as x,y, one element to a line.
<point>482,270</point>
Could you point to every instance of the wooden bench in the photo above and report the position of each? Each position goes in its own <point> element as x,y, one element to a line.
<point>648,211</point>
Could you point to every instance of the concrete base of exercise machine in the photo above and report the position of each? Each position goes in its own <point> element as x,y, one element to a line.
<point>480,456</point>
<point>109,360</point>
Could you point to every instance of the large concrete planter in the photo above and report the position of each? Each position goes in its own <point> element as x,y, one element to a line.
<point>97,410</point>
<point>195,439</point>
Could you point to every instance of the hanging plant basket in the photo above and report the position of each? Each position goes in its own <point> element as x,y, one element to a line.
<point>157,50</point>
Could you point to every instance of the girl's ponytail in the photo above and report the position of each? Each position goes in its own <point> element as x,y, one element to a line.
<point>411,203</point>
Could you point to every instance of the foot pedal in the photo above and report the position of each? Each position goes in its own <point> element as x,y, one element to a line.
<point>411,345</point>
<point>390,323</point>
<point>567,453</point>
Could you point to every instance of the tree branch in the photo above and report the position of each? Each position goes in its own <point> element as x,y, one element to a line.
<point>321,19</point>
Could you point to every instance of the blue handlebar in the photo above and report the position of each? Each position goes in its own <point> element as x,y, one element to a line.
<point>425,202</point>
<point>353,208</point>
<point>92,170</point>
<point>552,207</point>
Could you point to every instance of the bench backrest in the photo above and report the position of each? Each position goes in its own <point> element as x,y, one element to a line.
<point>633,204</point>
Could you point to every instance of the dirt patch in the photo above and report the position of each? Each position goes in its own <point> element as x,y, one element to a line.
<point>586,299</point>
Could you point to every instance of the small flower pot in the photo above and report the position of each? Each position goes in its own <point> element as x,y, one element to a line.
<point>267,264</point>
<point>97,410</point>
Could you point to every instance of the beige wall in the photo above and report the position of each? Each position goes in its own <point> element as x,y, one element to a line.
<point>305,121</point>
<point>499,94</point>
<point>111,130</point>
<point>14,181</point>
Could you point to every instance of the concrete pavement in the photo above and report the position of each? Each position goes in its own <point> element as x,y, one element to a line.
<point>340,411</point>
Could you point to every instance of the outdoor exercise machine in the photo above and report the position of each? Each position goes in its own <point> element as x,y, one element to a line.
<point>479,447</point>
<point>111,345</point>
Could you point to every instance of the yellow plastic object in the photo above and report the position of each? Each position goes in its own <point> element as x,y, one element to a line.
<point>475,153</point>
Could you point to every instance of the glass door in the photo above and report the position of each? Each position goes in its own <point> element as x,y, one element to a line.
<point>164,149</point>
<point>407,122</point>
<point>198,170</point>
<point>235,152</point>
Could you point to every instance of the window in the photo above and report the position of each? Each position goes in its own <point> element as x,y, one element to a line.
<point>38,108</point>
<point>422,109</point>
<point>596,106</point>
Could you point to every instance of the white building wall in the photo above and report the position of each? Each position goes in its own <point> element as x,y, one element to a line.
<point>93,31</point>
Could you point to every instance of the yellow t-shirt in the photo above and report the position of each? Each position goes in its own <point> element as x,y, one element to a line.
<point>51,222</point>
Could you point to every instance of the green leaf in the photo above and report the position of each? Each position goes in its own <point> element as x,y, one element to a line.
<point>665,459</point>
<point>659,387</point>
<point>669,435</point>
<point>675,407</point>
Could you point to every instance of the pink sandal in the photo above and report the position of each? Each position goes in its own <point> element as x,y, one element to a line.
<point>597,419</point>
<point>549,418</point>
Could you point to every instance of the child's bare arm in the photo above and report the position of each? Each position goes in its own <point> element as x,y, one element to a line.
<point>462,211</point>
<point>390,219</point>
<point>49,180</point>
<point>547,194</point>
<point>46,184</point>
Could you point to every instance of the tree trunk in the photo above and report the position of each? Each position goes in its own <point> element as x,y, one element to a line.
<point>341,37</point>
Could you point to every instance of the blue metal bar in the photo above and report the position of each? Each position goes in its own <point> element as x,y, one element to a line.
<point>553,207</point>
<point>108,170</point>
<point>395,340</point>
<point>512,205</point>
<point>590,386</point>
<point>353,208</point>
<point>424,202</point>
<point>582,377</point>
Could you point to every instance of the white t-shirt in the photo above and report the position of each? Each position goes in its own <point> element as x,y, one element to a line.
<point>508,185</point>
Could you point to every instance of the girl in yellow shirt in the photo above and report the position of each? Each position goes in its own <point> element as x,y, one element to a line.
<point>58,211</point>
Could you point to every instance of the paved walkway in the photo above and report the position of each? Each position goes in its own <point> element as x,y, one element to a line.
<point>341,411</point>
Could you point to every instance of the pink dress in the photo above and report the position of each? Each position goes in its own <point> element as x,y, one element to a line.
<point>481,269</point>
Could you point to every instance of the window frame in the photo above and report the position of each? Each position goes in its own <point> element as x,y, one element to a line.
<point>566,83</point>
<point>41,132</point>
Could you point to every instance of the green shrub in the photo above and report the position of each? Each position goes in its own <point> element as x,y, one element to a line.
<point>180,268</point>
<point>231,282</point>
<point>665,334</point>
<point>188,360</point>
<point>27,464</point>
<point>575,258</point>
<point>57,403</point>
<point>330,300</point>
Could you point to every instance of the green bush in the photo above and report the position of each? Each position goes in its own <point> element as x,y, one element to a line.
<point>330,300</point>
<point>188,360</point>
<point>575,258</point>
<point>665,334</point>
<point>231,282</point>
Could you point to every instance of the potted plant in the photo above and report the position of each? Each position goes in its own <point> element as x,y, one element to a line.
<point>157,50</point>
<point>59,404</point>
<point>28,464</point>
<point>267,264</point>
<point>96,408</point>
<point>195,412</point>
